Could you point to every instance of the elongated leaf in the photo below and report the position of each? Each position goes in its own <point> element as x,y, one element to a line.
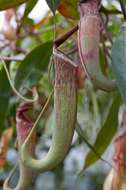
<point>29,6</point>
<point>69,8</point>
<point>106,133</point>
<point>80,132</point>
<point>32,67</point>
<point>53,4</point>
<point>5,91</point>
<point>124,1</point>
<point>119,62</point>
<point>6,4</point>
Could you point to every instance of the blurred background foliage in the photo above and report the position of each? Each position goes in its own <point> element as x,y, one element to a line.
<point>26,46</point>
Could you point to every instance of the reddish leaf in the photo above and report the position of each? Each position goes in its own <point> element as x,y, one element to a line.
<point>69,9</point>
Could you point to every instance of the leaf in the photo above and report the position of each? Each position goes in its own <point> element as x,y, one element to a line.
<point>35,63</point>
<point>4,142</point>
<point>119,62</point>
<point>105,135</point>
<point>5,91</point>
<point>53,4</point>
<point>6,4</point>
<point>80,132</point>
<point>29,6</point>
<point>69,9</point>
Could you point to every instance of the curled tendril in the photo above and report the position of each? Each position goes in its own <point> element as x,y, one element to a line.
<point>13,87</point>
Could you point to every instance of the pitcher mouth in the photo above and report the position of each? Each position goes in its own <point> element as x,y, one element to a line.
<point>22,109</point>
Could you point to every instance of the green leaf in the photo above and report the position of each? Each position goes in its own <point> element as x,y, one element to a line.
<point>53,4</point>
<point>29,6</point>
<point>124,1</point>
<point>6,4</point>
<point>81,134</point>
<point>32,67</point>
<point>5,91</point>
<point>119,62</point>
<point>105,135</point>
